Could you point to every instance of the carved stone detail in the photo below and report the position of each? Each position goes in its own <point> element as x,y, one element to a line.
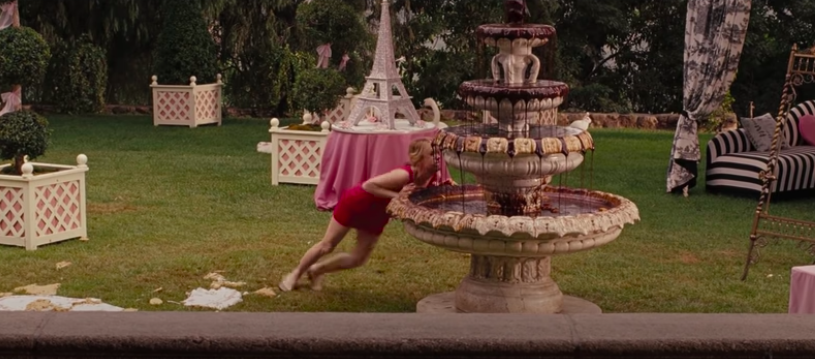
<point>509,269</point>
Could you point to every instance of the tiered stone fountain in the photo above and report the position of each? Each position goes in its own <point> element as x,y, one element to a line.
<point>512,222</point>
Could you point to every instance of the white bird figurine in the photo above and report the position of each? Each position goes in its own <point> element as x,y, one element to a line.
<point>582,124</point>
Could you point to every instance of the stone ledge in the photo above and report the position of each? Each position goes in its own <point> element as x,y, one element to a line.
<point>404,335</point>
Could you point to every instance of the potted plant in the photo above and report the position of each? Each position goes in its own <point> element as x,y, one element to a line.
<point>298,150</point>
<point>41,202</point>
<point>24,57</point>
<point>185,55</point>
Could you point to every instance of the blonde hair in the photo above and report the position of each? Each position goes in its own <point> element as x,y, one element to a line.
<point>417,149</point>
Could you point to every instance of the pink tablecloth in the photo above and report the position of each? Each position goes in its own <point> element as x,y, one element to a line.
<point>350,158</point>
<point>802,290</point>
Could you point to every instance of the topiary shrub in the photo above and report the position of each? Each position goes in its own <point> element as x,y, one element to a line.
<point>24,56</point>
<point>318,90</point>
<point>77,76</point>
<point>184,47</point>
<point>23,133</point>
<point>338,23</point>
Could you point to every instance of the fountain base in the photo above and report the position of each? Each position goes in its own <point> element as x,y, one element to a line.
<point>503,284</point>
<point>446,303</point>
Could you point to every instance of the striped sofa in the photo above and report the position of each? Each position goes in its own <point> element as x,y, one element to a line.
<point>734,164</point>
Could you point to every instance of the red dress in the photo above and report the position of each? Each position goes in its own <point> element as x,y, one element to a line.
<point>362,210</point>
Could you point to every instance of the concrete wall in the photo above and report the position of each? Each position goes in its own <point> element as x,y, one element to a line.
<point>406,335</point>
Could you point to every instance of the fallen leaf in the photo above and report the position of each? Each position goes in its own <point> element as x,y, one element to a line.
<point>156,301</point>
<point>266,292</point>
<point>130,310</point>
<point>33,289</point>
<point>39,305</point>
<point>84,239</point>
<point>233,284</point>
<point>215,285</point>
<point>159,289</point>
<point>215,276</point>
<point>63,264</point>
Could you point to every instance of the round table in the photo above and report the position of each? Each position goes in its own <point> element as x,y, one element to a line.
<point>351,157</point>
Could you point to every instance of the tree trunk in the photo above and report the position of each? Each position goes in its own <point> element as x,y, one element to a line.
<point>15,22</point>
<point>18,164</point>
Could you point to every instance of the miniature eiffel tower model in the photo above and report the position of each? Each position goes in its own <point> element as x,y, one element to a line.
<point>384,91</point>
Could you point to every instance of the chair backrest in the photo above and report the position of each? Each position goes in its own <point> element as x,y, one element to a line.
<point>791,133</point>
<point>800,71</point>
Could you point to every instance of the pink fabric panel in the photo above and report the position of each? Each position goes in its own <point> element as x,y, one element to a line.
<point>806,126</point>
<point>351,158</point>
<point>7,14</point>
<point>12,101</point>
<point>802,290</point>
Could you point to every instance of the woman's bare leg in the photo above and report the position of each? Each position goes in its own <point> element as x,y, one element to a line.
<point>333,236</point>
<point>358,256</point>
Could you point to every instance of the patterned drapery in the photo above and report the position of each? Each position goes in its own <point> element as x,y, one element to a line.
<point>714,37</point>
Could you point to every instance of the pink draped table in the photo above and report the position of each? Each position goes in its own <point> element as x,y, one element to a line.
<point>350,158</point>
<point>802,290</point>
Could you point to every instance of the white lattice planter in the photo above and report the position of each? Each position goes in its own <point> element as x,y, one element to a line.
<point>296,155</point>
<point>183,105</point>
<point>37,209</point>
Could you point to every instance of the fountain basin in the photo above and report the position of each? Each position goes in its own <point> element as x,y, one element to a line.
<point>537,34</point>
<point>510,262</point>
<point>534,96</point>
<point>455,218</point>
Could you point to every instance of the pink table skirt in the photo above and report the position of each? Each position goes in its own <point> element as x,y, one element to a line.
<point>351,158</point>
<point>802,290</point>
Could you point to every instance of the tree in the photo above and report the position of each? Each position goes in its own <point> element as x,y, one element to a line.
<point>184,47</point>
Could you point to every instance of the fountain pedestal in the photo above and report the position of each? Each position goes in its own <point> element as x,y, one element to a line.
<point>497,284</point>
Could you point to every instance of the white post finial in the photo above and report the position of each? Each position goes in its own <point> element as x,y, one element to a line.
<point>274,122</point>
<point>82,161</point>
<point>155,80</point>
<point>28,170</point>
<point>219,78</point>
<point>192,80</point>
<point>349,92</point>
<point>325,126</point>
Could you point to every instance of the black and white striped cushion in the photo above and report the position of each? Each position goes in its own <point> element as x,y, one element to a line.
<point>795,170</point>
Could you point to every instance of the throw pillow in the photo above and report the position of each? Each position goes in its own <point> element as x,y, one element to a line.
<point>806,127</point>
<point>760,131</point>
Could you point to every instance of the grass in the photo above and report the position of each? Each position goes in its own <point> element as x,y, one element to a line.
<point>168,205</point>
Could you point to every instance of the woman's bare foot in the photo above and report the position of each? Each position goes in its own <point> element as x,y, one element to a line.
<point>288,282</point>
<point>316,280</point>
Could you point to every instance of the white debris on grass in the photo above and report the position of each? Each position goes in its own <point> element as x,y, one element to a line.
<point>219,299</point>
<point>47,303</point>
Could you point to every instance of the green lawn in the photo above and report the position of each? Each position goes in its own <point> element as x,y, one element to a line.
<point>168,205</point>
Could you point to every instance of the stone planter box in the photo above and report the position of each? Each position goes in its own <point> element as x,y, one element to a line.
<point>183,105</point>
<point>296,155</point>
<point>37,209</point>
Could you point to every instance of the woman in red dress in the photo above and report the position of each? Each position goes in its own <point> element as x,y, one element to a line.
<point>362,207</point>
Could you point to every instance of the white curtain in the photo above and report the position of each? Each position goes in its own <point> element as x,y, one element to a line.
<point>714,37</point>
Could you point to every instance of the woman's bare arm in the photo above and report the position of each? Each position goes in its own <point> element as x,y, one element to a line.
<point>387,185</point>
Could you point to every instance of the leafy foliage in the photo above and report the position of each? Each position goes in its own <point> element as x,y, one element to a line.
<point>23,133</point>
<point>331,21</point>
<point>318,90</point>
<point>24,56</point>
<point>77,76</point>
<point>184,47</point>
<point>263,77</point>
